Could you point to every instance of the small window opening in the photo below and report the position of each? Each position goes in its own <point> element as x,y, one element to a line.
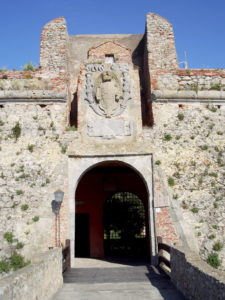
<point>1,106</point>
<point>218,106</point>
<point>109,59</point>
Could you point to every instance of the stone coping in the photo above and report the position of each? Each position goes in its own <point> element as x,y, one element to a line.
<point>194,259</point>
<point>39,280</point>
<point>188,96</point>
<point>34,96</point>
<point>194,277</point>
<point>130,148</point>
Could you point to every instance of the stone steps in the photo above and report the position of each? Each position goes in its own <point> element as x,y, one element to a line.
<point>126,282</point>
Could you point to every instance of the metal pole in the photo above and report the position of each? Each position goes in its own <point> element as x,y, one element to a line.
<point>55,230</point>
<point>59,230</point>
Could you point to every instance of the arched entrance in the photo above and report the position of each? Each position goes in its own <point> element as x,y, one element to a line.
<point>106,191</point>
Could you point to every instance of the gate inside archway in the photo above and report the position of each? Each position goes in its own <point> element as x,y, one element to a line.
<point>124,225</point>
<point>111,212</point>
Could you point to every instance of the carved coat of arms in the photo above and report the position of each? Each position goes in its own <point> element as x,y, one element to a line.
<point>108,91</point>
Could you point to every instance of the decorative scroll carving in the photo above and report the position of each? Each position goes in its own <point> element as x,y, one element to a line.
<point>107,88</point>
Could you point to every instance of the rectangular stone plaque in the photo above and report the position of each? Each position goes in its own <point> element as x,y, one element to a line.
<point>109,128</point>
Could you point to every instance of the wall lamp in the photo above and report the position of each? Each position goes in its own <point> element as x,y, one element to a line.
<point>56,203</point>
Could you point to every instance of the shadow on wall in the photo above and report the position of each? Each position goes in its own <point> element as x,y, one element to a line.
<point>73,111</point>
<point>163,284</point>
<point>140,59</point>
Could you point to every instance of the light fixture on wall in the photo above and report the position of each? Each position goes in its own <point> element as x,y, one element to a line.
<point>56,204</point>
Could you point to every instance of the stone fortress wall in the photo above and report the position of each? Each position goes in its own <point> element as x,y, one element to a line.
<point>186,140</point>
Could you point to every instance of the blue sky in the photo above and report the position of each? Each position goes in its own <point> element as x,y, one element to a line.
<point>199,25</point>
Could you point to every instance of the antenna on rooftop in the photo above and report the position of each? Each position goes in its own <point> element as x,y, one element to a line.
<point>185,62</point>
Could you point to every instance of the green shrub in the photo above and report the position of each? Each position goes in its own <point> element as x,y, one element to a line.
<point>63,149</point>
<point>16,131</point>
<point>20,169</point>
<point>1,123</point>
<point>213,174</point>
<point>24,207</point>
<point>213,184</point>
<point>30,148</point>
<point>17,261</point>
<point>171,181</point>
<point>35,219</point>
<point>220,162</point>
<point>19,192</point>
<point>218,246</point>
<point>28,76</point>
<point>219,132</point>
<point>167,137</point>
<point>215,227</point>
<point>213,260</point>
<point>177,137</point>
<point>19,245</point>
<point>23,176</point>
<point>4,265</point>
<point>216,87</point>
<point>158,162</point>
<point>71,128</point>
<point>52,126</point>
<point>211,236</point>
<point>195,210</point>
<point>204,147</point>
<point>193,163</point>
<point>215,205</point>
<point>180,116</point>
<point>29,67</point>
<point>212,108</point>
<point>8,236</point>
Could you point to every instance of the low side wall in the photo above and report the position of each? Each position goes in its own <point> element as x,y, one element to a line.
<point>194,278</point>
<point>38,281</point>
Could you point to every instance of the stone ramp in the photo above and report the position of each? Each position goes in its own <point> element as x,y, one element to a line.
<point>117,282</point>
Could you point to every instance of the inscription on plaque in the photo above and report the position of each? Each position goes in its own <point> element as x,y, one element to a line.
<point>109,128</point>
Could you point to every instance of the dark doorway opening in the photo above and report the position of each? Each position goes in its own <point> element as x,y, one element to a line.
<point>108,190</point>
<point>124,226</point>
<point>82,235</point>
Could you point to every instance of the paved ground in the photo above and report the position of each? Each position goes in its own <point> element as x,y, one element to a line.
<point>107,280</point>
